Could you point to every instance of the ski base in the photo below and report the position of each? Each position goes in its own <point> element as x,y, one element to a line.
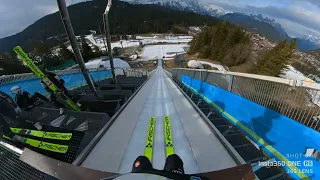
<point>58,148</point>
<point>42,134</point>
<point>168,136</point>
<point>149,142</point>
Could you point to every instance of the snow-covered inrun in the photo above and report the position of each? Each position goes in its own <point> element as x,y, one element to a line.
<point>292,74</point>
<point>163,51</point>
<point>199,64</point>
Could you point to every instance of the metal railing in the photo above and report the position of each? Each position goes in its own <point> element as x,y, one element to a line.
<point>298,100</point>
<point>29,76</point>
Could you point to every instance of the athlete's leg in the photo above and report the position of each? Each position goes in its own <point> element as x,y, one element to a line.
<point>142,163</point>
<point>174,164</point>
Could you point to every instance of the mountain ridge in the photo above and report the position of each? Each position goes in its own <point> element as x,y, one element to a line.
<point>248,20</point>
<point>83,15</point>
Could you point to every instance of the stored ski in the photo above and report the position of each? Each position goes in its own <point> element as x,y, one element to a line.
<point>41,144</point>
<point>18,50</point>
<point>42,134</point>
<point>168,136</point>
<point>149,142</point>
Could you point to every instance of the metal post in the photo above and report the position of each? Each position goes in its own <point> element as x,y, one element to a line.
<point>107,31</point>
<point>104,42</point>
<point>69,30</point>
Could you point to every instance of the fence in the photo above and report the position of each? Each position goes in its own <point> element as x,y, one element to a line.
<point>297,100</point>
<point>73,78</point>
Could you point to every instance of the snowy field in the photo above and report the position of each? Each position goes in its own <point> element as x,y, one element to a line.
<point>160,51</point>
<point>144,40</point>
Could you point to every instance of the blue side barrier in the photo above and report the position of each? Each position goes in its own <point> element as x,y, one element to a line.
<point>71,81</point>
<point>280,137</point>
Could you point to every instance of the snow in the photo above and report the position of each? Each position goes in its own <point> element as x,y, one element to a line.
<point>219,67</point>
<point>195,64</point>
<point>292,74</point>
<point>160,51</point>
<point>97,63</point>
<point>125,44</point>
<point>99,42</point>
<point>199,64</point>
<point>133,57</point>
<point>172,41</point>
<point>146,37</point>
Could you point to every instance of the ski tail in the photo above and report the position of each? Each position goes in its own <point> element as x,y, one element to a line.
<point>168,136</point>
<point>42,134</point>
<point>58,148</point>
<point>149,141</point>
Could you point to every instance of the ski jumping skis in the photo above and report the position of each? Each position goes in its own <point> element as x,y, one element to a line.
<point>168,136</point>
<point>18,50</point>
<point>149,141</point>
<point>42,134</point>
<point>58,148</point>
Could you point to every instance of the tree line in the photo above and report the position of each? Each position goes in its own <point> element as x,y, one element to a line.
<point>45,58</point>
<point>231,46</point>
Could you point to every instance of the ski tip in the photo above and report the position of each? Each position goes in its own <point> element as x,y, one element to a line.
<point>17,48</point>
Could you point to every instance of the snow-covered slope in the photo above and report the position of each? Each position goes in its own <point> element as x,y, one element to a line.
<point>183,5</point>
<point>292,74</point>
<point>311,38</point>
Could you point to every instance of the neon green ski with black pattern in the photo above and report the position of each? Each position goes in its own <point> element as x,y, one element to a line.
<point>25,58</point>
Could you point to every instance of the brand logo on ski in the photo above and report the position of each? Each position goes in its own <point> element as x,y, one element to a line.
<point>149,141</point>
<point>53,147</point>
<point>168,136</point>
<point>42,134</point>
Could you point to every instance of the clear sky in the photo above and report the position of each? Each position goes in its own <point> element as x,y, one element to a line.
<point>298,17</point>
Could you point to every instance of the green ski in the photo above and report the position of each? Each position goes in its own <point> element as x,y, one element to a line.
<point>58,148</point>
<point>168,136</point>
<point>149,141</point>
<point>18,50</point>
<point>42,134</point>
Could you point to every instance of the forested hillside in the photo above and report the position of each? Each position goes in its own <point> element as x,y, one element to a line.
<point>224,42</point>
<point>125,18</point>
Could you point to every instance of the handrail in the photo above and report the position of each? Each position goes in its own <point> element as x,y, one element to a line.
<point>29,76</point>
<point>298,100</point>
<point>262,77</point>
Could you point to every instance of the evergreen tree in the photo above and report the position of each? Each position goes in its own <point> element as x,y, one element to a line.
<point>97,52</point>
<point>223,42</point>
<point>64,53</point>
<point>10,64</point>
<point>86,51</point>
<point>272,62</point>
